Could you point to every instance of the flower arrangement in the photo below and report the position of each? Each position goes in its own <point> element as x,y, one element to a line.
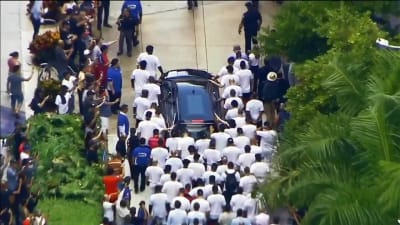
<point>43,45</point>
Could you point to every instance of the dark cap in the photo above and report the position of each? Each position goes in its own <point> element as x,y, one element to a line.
<point>14,54</point>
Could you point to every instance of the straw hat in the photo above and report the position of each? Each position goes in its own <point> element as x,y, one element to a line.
<point>271,76</point>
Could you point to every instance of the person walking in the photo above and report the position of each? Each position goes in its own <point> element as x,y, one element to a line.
<point>123,122</point>
<point>14,88</point>
<point>269,94</point>
<point>103,5</point>
<point>251,22</point>
<point>36,17</point>
<point>126,26</point>
<point>114,84</point>
<point>141,160</point>
<point>153,63</point>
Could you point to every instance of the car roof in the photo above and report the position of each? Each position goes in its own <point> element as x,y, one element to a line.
<point>184,74</point>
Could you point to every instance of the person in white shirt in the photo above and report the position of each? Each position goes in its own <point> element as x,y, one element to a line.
<point>158,205</point>
<point>211,155</point>
<point>223,167</point>
<point>185,174</point>
<point>199,186</point>
<point>250,206</point>
<point>71,82</point>
<point>62,100</point>
<point>185,203</point>
<point>153,63</point>
<point>160,154</point>
<point>207,191</point>
<point>197,168</point>
<point>260,169</point>
<point>240,219</point>
<point>232,85</point>
<point>224,70</point>
<point>255,109</point>
<point>171,188</point>
<point>246,159</point>
<point>262,218</point>
<point>166,176</point>
<point>159,119</point>
<point>146,128</point>
<point>220,137</point>
<point>231,152</point>
<point>241,141</point>
<point>232,128</point>
<point>217,203</point>
<point>233,96</point>
<point>140,105</point>
<point>239,59</point>
<point>174,161</point>
<point>153,174</point>
<point>240,120</point>
<point>245,80</point>
<point>202,144</point>
<point>213,171</point>
<point>248,181</point>
<point>122,211</point>
<point>154,90</point>
<point>184,143</point>
<point>172,143</point>
<point>177,216</point>
<point>108,208</point>
<point>139,78</point>
<point>268,140</point>
<point>238,200</point>
<point>225,80</point>
<point>226,217</point>
<point>249,130</point>
<point>203,203</point>
<point>196,213</point>
<point>233,112</point>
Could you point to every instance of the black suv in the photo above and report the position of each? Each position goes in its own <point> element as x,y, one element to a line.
<point>190,100</point>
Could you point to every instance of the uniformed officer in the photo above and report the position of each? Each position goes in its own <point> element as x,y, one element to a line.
<point>251,21</point>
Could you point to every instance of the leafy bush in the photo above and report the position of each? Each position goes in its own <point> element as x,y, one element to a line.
<point>62,170</point>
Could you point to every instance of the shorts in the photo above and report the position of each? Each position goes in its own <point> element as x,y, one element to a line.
<point>16,99</point>
<point>104,123</point>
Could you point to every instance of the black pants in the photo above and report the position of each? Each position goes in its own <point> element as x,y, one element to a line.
<point>249,38</point>
<point>127,36</point>
<point>80,102</point>
<point>228,196</point>
<point>139,170</point>
<point>192,3</point>
<point>113,97</point>
<point>105,5</point>
<point>36,27</point>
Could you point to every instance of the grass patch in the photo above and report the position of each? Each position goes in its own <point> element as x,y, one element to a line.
<point>67,212</point>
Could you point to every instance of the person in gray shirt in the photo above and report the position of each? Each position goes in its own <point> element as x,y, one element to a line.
<point>14,88</point>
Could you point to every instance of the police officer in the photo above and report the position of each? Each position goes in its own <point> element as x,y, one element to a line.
<point>135,6</point>
<point>251,21</point>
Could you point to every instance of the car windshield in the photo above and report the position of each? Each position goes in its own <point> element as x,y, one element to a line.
<point>194,103</point>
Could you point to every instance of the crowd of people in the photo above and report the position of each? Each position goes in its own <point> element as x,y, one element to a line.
<point>211,180</point>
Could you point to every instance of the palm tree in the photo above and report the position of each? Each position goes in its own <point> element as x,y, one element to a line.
<point>345,167</point>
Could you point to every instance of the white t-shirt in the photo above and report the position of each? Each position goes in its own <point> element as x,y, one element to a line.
<point>245,78</point>
<point>198,170</point>
<point>227,91</point>
<point>231,131</point>
<point>262,219</point>
<point>177,216</point>
<point>175,163</point>
<point>193,192</point>
<point>237,201</point>
<point>154,92</point>
<point>63,108</point>
<point>160,154</point>
<point>268,138</point>
<point>241,141</point>
<point>225,79</point>
<point>240,121</point>
<point>141,78</point>
<point>212,156</point>
<point>197,214</point>
<point>223,71</point>
<point>159,120</point>
<point>208,174</point>
<point>201,145</point>
<point>108,211</point>
<point>236,64</point>
<point>255,149</point>
<point>185,203</point>
<point>232,113</point>
<point>69,83</point>
<point>255,107</point>
<point>172,143</point>
<point>204,205</point>
<point>227,104</point>
<point>249,130</point>
<point>152,62</point>
<point>245,160</point>
<point>217,203</point>
<point>183,145</point>
<point>158,201</point>
<point>250,205</point>
<point>232,153</point>
<point>154,174</point>
<point>260,170</point>
<point>141,104</point>
<point>247,183</point>
<point>208,190</point>
<point>221,139</point>
<point>164,178</point>
<point>171,188</point>
<point>146,128</point>
<point>184,175</point>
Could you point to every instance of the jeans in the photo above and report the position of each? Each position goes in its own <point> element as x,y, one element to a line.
<point>127,36</point>
<point>105,5</point>
<point>139,170</point>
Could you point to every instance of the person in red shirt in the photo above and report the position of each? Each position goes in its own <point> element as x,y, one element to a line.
<point>154,141</point>
<point>104,64</point>
<point>111,182</point>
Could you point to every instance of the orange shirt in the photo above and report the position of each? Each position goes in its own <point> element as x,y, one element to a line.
<point>111,186</point>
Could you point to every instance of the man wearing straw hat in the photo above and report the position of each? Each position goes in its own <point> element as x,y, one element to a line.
<point>269,94</point>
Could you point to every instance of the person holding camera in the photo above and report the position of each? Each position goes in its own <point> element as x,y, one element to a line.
<point>126,26</point>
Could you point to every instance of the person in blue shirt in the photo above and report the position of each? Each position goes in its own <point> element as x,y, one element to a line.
<point>140,159</point>
<point>123,122</point>
<point>114,83</point>
<point>135,6</point>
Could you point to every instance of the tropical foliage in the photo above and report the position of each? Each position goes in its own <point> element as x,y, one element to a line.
<point>62,170</point>
<point>339,156</point>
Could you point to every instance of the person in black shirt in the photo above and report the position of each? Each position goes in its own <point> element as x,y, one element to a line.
<point>126,26</point>
<point>38,101</point>
<point>251,21</point>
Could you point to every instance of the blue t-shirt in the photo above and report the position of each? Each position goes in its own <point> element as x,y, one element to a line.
<point>114,74</point>
<point>134,6</point>
<point>142,155</point>
<point>123,120</point>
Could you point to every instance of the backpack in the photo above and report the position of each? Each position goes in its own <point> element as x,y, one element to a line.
<point>231,182</point>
